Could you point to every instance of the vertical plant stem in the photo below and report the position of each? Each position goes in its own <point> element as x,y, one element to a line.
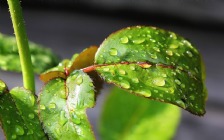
<point>22,43</point>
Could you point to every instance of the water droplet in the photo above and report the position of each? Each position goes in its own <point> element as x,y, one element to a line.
<point>177,54</point>
<point>135,80</point>
<point>154,56</point>
<point>113,51</point>
<point>124,40</point>
<point>52,105</point>
<point>19,130</point>
<point>122,72</point>
<point>181,104</point>
<point>192,97</point>
<point>76,119</point>
<point>177,81</point>
<point>132,67</point>
<point>31,116</point>
<point>42,107</point>
<point>189,53</point>
<point>159,81</point>
<point>156,49</point>
<point>30,132</point>
<point>62,119</point>
<point>106,69</point>
<point>138,41</point>
<point>79,80</point>
<point>169,52</point>
<point>145,92</point>
<point>182,85</point>
<point>14,136</point>
<point>125,84</point>
<point>163,75</point>
<point>173,46</point>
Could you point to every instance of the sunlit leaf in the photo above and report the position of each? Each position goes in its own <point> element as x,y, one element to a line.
<point>42,58</point>
<point>154,63</point>
<point>3,87</point>
<point>63,104</point>
<point>78,61</point>
<point>18,115</point>
<point>129,117</point>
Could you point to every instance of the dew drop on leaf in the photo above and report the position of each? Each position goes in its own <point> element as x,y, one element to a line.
<point>31,115</point>
<point>125,84</point>
<point>173,46</point>
<point>145,92</point>
<point>177,81</point>
<point>181,104</point>
<point>14,136</point>
<point>79,80</point>
<point>122,72</point>
<point>189,53</point>
<point>169,52</point>
<point>113,51</point>
<point>19,130</point>
<point>42,107</point>
<point>159,81</point>
<point>124,40</point>
<point>52,105</point>
<point>138,41</point>
<point>154,56</point>
<point>135,80</point>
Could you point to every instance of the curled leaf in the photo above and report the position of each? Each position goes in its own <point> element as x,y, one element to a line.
<point>63,104</point>
<point>18,115</point>
<point>78,61</point>
<point>128,117</point>
<point>156,64</point>
<point>42,58</point>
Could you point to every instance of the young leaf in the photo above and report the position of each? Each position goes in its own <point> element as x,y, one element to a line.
<point>63,104</point>
<point>18,115</point>
<point>78,61</point>
<point>154,63</point>
<point>42,58</point>
<point>128,117</point>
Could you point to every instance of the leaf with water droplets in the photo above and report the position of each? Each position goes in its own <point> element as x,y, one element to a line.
<point>42,58</point>
<point>154,63</point>
<point>128,117</point>
<point>63,104</point>
<point>18,115</point>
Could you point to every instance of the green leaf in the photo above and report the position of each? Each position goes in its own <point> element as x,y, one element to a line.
<point>156,64</point>
<point>128,117</point>
<point>63,104</point>
<point>3,87</point>
<point>18,115</point>
<point>42,58</point>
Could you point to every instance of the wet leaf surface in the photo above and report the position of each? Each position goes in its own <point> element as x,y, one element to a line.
<point>156,64</point>
<point>63,104</point>
<point>18,115</point>
<point>42,58</point>
<point>129,117</point>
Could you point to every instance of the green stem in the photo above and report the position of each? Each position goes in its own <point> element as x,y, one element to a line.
<point>22,43</point>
